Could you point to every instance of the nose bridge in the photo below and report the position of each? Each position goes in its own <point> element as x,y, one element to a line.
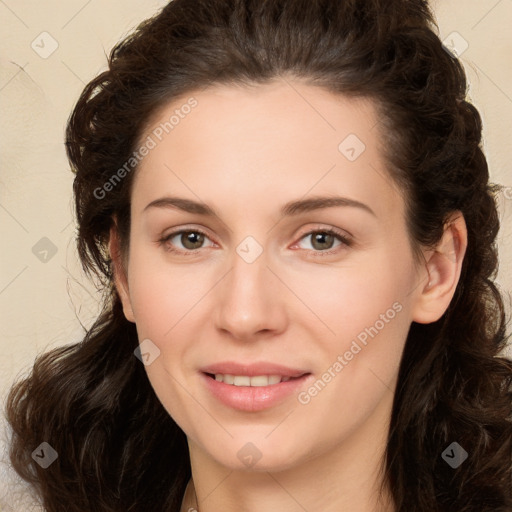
<point>249,276</point>
<point>247,301</point>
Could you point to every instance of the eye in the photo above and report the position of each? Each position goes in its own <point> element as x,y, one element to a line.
<point>322,240</point>
<point>191,240</point>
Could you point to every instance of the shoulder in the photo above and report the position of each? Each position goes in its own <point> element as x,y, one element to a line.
<point>16,495</point>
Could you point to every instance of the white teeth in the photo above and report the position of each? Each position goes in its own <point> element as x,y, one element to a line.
<point>229,379</point>
<point>245,380</point>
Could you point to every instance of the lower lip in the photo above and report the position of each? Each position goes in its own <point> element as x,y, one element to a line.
<point>253,398</point>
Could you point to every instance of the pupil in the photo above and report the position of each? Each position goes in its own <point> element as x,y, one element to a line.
<point>318,237</point>
<point>189,239</point>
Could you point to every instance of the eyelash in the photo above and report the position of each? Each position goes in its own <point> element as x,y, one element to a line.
<point>330,231</point>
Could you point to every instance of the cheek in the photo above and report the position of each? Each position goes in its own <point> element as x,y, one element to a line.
<point>349,299</point>
<point>364,313</point>
<point>161,294</point>
<point>161,302</point>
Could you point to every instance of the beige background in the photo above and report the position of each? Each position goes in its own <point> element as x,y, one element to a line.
<point>44,303</point>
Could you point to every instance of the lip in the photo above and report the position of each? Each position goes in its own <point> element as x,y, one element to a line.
<point>257,398</point>
<point>253,369</point>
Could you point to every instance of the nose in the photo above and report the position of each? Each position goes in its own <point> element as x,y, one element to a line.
<point>251,300</point>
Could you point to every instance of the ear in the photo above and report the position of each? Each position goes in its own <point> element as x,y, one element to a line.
<point>440,273</point>
<point>120,278</point>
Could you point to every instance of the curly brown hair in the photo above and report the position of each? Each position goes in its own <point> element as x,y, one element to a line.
<point>92,400</point>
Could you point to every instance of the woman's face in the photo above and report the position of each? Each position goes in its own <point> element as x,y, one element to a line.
<point>261,282</point>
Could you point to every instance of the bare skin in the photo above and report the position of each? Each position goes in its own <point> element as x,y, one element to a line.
<point>247,152</point>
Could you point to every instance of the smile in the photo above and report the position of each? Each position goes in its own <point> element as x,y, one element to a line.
<point>246,380</point>
<point>253,393</point>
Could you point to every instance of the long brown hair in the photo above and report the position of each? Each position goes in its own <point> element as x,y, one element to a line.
<point>92,401</point>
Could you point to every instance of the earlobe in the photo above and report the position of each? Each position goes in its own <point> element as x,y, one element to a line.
<point>120,278</point>
<point>441,272</point>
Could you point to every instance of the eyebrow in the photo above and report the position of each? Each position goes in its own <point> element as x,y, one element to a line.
<point>289,209</point>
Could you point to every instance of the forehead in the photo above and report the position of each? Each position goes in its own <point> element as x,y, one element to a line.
<point>253,141</point>
<point>285,112</point>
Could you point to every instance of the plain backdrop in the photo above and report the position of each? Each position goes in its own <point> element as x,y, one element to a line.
<point>49,51</point>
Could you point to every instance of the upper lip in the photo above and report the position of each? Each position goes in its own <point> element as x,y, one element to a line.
<point>252,369</point>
